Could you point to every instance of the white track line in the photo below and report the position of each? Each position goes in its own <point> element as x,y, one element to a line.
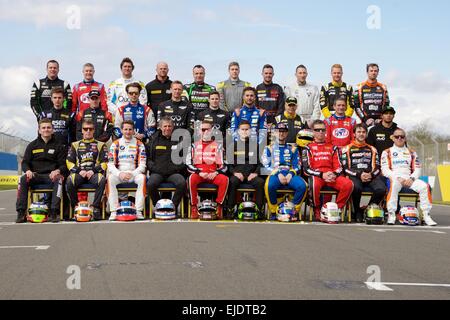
<point>409,230</point>
<point>384,286</point>
<point>44,247</point>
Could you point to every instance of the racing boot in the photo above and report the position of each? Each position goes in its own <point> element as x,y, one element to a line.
<point>317,214</point>
<point>97,214</point>
<point>427,219</point>
<point>54,216</point>
<point>139,215</point>
<point>194,212</point>
<point>21,217</point>
<point>219,211</point>
<point>113,216</point>
<point>391,218</point>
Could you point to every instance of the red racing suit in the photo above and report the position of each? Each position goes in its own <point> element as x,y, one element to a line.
<point>319,158</point>
<point>206,156</point>
<point>80,98</point>
<point>339,130</point>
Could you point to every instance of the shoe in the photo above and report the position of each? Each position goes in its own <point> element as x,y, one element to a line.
<point>428,221</point>
<point>391,218</point>
<point>317,215</point>
<point>21,217</point>
<point>56,218</point>
<point>219,212</point>
<point>194,212</point>
<point>272,216</point>
<point>97,214</point>
<point>359,217</point>
<point>112,216</point>
<point>139,215</point>
<point>230,213</point>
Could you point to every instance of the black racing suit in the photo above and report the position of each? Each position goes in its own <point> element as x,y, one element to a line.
<point>245,161</point>
<point>181,113</point>
<point>64,126</point>
<point>330,92</point>
<point>198,95</point>
<point>370,100</point>
<point>87,155</point>
<point>220,119</point>
<point>41,101</point>
<point>163,169</point>
<point>380,137</point>
<point>103,123</point>
<point>270,98</point>
<point>294,124</point>
<point>42,158</point>
<point>158,92</point>
<point>356,159</point>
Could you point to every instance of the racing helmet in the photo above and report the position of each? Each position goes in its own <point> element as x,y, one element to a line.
<point>286,212</point>
<point>374,214</point>
<point>248,211</point>
<point>38,212</point>
<point>330,213</point>
<point>165,210</point>
<point>207,210</point>
<point>304,137</point>
<point>409,215</point>
<point>126,211</point>
<point>84,212</point>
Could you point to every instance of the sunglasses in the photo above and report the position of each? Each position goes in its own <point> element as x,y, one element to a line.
<point>205,129</point>
<point>133,93</point>
<point>88,129</point>
<point>319,130</point>
<point>399,137</point>
<point>94,98</point>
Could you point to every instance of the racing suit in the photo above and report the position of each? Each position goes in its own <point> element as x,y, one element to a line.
<point>270,98</point>
<point>319,158</point>
<point>117,95</point>
<point>231,93</point>
<point>87,155</point>
<point>206,156</point>
<point>339,130</point>
<point>380,137</point>
<point>198,95</point>
<point>403,163</point>
<point>157,92</point>
<point>294,124</point>
<point>307,96</point>
<point>283,159</point>
<point>126,156</point>
<point>256,117</point>
<point>245,161</point>
<point>141,115</point>
<point>219,118</point>
<point>163,169</point>
<point>102,123</point>
<point>370,100</point>
<point>181,113</point>
<point>41,158</point>
<point>356,159</point>
<point>80,98</point>
<point>41,94</point>
<point>63,121</point>
<point>330,92</point>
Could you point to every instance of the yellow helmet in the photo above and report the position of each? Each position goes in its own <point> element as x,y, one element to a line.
<point>304,137</point>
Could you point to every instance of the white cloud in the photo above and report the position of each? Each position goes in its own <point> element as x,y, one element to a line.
<point>205,15</point>
<point>43,13</point>
<point>15,84</point>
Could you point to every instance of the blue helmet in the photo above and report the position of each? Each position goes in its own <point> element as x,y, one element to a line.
<point>126,211</point>
<point>165,210</point>
<point>286,212</point>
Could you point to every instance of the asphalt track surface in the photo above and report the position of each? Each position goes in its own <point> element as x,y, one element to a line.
<point>222,260</point>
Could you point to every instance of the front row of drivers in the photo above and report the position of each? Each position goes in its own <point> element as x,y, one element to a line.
<point>348,171</point>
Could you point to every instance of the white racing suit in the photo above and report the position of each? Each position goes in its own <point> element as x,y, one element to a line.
<point>403,163</point>
<point>126,156</point>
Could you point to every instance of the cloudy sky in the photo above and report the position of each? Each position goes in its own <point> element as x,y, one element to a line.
<point>409,39</point>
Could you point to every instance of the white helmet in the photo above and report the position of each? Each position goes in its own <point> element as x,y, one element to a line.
<point>330,213</point>
<point>409,215</point>
<point>165,210</point>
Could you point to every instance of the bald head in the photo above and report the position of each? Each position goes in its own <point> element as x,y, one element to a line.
<point>162,69</point>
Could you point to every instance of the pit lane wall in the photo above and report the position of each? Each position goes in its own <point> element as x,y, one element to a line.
<point>8,169</point>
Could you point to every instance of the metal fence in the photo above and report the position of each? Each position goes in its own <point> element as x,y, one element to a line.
<point>430,154</point>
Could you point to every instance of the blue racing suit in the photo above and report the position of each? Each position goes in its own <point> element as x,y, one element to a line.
<point>284,159</point>
<point>256,117</point>
<point>141,115</point>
